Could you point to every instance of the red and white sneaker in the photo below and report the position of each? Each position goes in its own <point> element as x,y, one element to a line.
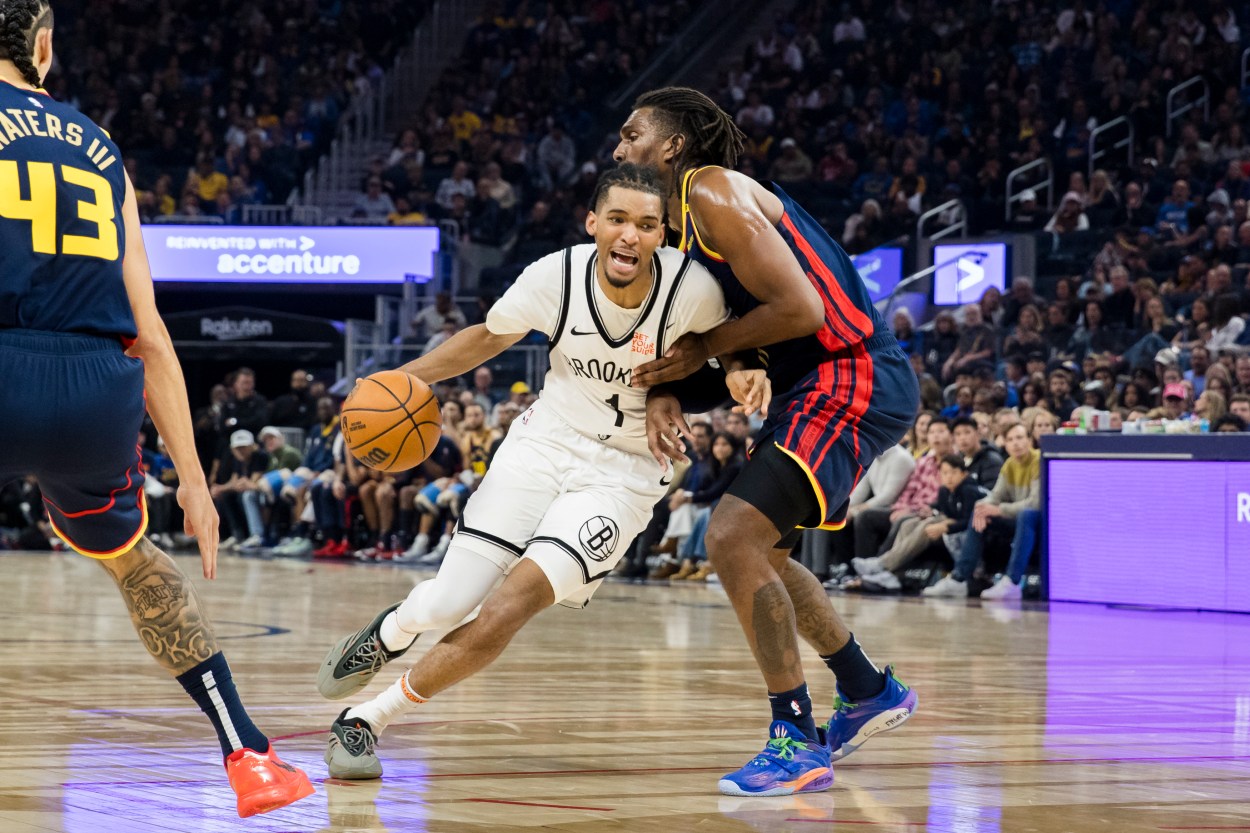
<point>264,782</point>
<point>332,549</point>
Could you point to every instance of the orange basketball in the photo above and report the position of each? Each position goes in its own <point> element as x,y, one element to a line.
<point>391,421</point>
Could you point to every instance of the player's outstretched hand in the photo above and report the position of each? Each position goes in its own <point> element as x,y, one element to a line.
<point>751,389</point>
<point>665,427</point>
<point>201,521</point>
<point>687,355</point>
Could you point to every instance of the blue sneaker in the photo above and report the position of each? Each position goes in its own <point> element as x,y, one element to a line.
<point>790,763</point>
<point>854,723</point>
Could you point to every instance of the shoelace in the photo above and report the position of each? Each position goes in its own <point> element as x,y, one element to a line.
<point>782,749</point>
<point>368,654</point>
<point>358,741</point>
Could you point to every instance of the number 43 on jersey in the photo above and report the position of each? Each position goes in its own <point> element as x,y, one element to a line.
<point>40,209</point>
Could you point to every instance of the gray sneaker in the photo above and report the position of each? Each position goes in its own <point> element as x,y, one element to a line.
<point>355,660</point>
<point>350,751</point>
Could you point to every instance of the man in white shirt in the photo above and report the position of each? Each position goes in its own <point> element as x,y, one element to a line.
<point>573,483</point>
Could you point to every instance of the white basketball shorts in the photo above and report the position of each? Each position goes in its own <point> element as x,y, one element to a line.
<point>586,501</point>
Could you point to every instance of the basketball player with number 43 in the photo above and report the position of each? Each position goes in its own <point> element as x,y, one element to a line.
<point>573,484</point>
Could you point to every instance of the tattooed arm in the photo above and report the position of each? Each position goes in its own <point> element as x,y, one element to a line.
<point>164,607</point>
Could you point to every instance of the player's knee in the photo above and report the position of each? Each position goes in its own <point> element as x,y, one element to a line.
<point>444,607</point>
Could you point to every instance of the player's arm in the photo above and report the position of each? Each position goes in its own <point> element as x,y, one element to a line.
<point>466,350</point>
<point>732,223</point>
<point>166,389</point>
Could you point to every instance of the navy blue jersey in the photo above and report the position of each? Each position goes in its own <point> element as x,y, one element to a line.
<point>850,317</point>
<point>62,238</point>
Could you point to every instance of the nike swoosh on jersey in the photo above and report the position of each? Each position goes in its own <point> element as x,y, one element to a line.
<point>577,332</point>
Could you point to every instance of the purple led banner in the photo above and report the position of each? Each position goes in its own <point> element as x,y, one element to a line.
<point>881,270</point>
<point>291,254</point>
<point>1150,532</point>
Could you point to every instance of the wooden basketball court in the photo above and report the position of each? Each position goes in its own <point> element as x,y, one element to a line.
<point>621,717</point>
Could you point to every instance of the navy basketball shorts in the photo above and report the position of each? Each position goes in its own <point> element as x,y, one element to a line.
<point>72,406</point>
<point>823,433</point>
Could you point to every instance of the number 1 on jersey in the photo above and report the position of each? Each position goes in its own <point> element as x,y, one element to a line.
<point>614,402</point>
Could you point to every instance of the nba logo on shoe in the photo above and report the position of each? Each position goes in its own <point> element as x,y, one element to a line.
<point>598,537</point>
<point>642,344</point>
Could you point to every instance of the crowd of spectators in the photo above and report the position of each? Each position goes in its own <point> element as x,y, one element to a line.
<point>222,105</point>
<point>508,144</point>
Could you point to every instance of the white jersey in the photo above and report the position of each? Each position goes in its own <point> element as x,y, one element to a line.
<point>595,344</point>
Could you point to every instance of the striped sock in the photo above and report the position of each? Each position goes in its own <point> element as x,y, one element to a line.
<point>210,685</point>
<point>397,700</point>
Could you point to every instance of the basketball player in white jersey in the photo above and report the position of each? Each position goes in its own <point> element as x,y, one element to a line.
<point>573,483</point>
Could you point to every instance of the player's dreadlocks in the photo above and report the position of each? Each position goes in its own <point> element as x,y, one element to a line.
<point>628,176</point>
<point>712,138</point>
<point>20,22</point>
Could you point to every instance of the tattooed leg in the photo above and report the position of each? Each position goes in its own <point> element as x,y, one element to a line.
<point>164,607</point>
<point>739,541</point>
<point>818,623</point>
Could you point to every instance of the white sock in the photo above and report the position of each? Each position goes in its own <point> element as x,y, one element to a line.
<point>444,542</point>
<point>396,701</point>
<point>393,636</point>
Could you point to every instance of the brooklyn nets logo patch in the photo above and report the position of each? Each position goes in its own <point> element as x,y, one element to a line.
<point>598,537</point>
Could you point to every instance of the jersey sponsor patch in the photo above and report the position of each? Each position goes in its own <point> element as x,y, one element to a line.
<point>642,344</point>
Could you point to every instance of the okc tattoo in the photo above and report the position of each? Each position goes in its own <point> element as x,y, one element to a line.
<point>165,609</point>
<point>772,621</point>
<point>815,617</point>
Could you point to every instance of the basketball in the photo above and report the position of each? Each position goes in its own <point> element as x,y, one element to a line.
<point>391,421</point>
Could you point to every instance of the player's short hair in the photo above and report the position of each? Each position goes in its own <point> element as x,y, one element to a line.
<point>712,137</point>
<point>20,22</point>
<point>940,420</point>
<point>954,461</point>
<point>967,422</point>
<point>628,175</point>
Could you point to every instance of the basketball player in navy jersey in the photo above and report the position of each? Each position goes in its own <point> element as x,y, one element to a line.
<point>843,392</point>
<point>81,345</point>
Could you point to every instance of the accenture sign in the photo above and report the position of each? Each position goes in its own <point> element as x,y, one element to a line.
<point>291,254</point>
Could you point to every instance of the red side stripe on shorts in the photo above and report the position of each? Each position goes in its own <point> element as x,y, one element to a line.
<point>130,473</point>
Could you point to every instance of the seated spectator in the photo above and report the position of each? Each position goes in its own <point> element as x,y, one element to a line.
<point>458,182</point>
<point>1026,216</point>
<point>724,464</point>
<point>905,334</point>
<point>875,526</point>
<point>981,461</point>
<point>1227,325</point>
<point>1013,507</point>
<point>952,512</point>
<point>374,203</point>
<point>240,472</point>
<point>1229,424</point>
<point>1239,406</point>
<point>917,439</point>
<point>282,465</point>
<point>1069,217</point>
<point>877,489</point>
<point>793,165</point>
<point>429,320</point>
<point>1210,406</point>
<point>1059,399</point>
<point>975,344</point>
<point>160,487</point>
<point>295,408</point>
<point>1027,334</point>
<point>1021,296</point>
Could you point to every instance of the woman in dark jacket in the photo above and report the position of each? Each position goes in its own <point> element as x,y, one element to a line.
<point>727,461</point>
